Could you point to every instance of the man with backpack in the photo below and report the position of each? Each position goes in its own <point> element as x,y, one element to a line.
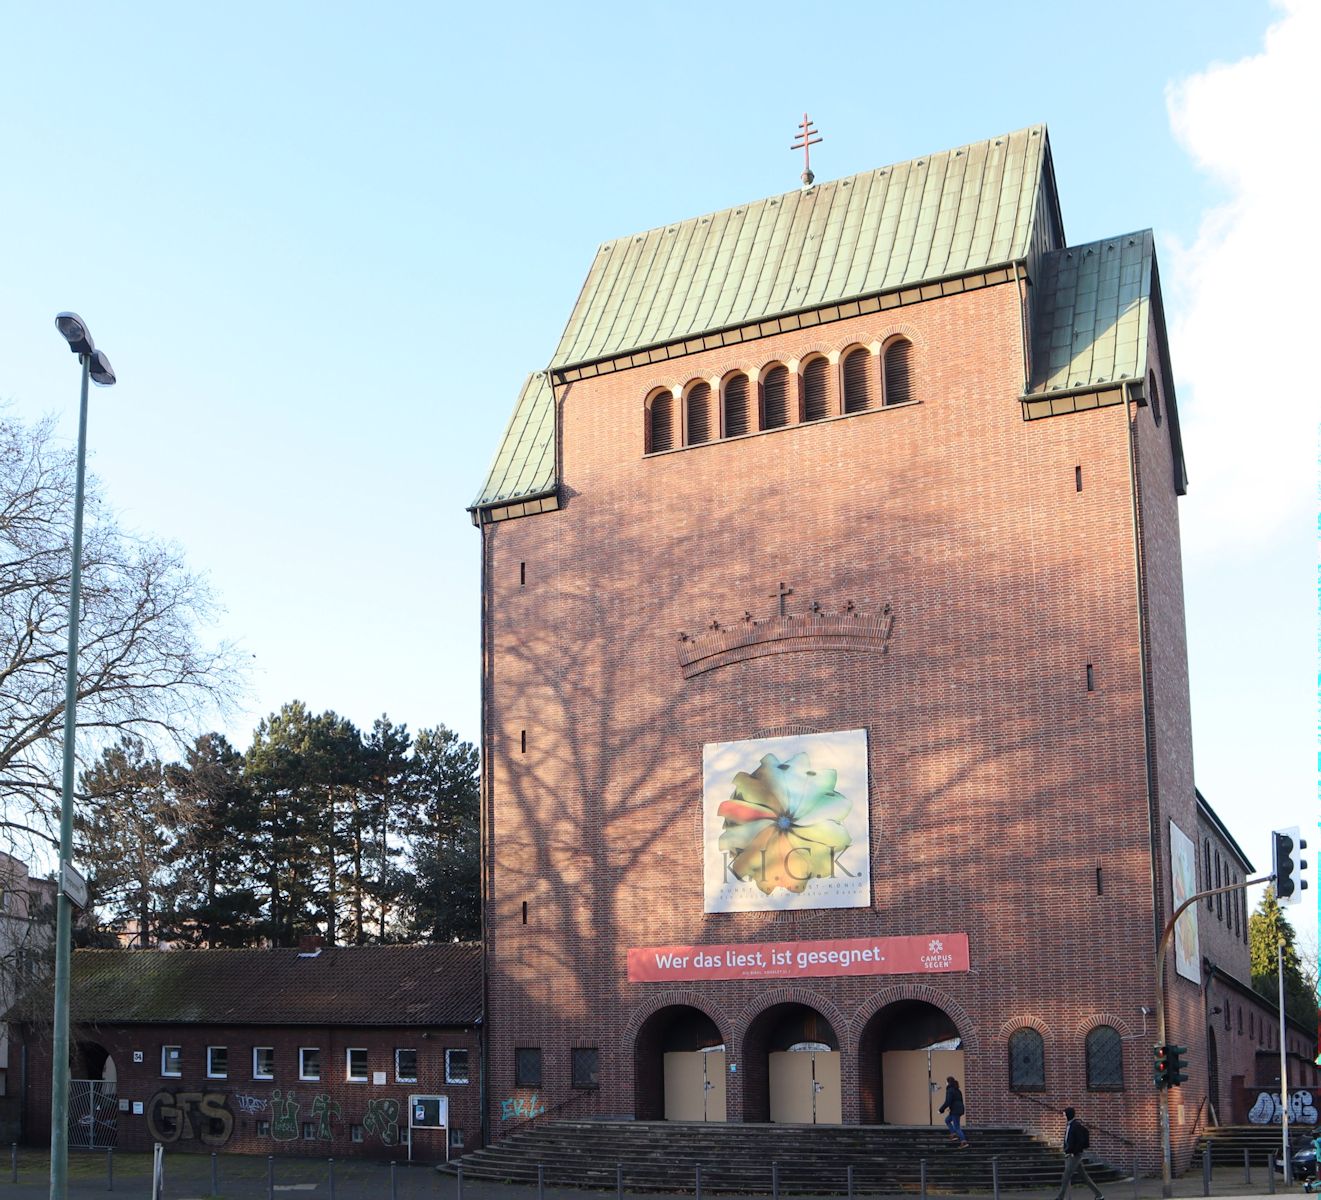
<point>1076,1141</point>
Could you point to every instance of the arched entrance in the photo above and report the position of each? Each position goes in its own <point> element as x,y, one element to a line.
<point>679,1067</point>
<point>904,1056</point>
<point>793,1067</point>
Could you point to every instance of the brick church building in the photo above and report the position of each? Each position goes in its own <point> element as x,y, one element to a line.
<point>836,716</point>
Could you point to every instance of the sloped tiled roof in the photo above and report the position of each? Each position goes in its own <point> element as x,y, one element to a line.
<point>1092,311</point>
<point>941,215</point>
<point>342,985</point>
<point>524,466</point>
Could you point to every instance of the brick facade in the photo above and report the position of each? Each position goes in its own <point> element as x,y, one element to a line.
<point>1027,716</point>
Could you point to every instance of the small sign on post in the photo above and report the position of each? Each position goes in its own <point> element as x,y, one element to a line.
<point>73,885</point>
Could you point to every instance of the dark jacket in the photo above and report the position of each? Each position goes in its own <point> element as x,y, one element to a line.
<point>953,1100</point>
<point>1072,1137</point>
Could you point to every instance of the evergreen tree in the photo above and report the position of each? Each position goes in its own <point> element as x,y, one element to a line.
<point>217,897</point>
<point>444,894</point>
<point>1267,927</point>
<point>386,819</point>
<point>125,828</point>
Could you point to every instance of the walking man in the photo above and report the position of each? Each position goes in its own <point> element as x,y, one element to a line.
<point>1076,1141</point>
<point>954,1104</point>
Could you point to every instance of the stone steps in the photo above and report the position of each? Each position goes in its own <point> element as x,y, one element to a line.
<point>1227,1143</point>
<point>801,1159</point>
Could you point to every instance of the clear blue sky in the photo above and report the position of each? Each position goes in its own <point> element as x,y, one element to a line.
<point>322,245</point>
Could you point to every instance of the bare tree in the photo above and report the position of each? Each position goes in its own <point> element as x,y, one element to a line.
<point>143,666</point>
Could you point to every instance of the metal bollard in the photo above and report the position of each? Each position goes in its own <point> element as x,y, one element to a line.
<point>1135,1177</point>
<point>394,1169</point>
<point>697,1180</point>
<point>541,1181</point>
<point>1270,1173</point>
<point>330,1167</point>
<point>1206,1171</point>
<point>215,1175</point>
<point>775,1181</point>
<point>995,1176</point>
<point>1247,1166</point>
<point>850,1178</point>
<point>270,1177</point>
<point>619,1181</point>
<point>13,1162</point>
<point>458,1178</point>
<point>924,1179</point>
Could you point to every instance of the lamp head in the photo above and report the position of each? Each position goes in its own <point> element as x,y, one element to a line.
<point>74,332</point>
<point>100,370</point>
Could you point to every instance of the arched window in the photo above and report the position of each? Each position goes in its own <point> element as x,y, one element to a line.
<point>1206,879</point>
<point>660,422</point>
<point>1027,1061</point>
<point>699,414</point>
<point>1154,397</point>
<point>898,372</point>
<point>1220,897</point>
<point>816,389</point>
<point>736,406</point>
<point>1105,1060</point>
<point>858,389</point>
<point>776,394</point>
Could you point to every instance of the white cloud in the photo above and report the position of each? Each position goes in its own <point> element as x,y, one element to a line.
<point>1246,322</point>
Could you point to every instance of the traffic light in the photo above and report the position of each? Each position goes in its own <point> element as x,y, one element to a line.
<point>1160,1064</point>
<point>1287,865</point>
<point>1168,1066</point>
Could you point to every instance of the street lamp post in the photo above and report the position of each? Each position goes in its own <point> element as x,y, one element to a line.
<point>96,367</point>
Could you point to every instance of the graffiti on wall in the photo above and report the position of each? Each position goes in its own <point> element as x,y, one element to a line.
<point>382,1119</point>
<point>521,1107</point>
<point>181,1116</point>
<point>250,1105</point>
<point>1266,1109</point>
<point>323,1109</point>
<point>284,1116</point>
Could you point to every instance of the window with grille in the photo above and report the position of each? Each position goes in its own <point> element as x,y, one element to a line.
<point>660,416</point>
<point>898,372</point>
<point>736,406</point>
<point>527,1066</point>
<point>816,390</point>
<point>858,381</point>
<point>1027,1061</point>
<point>776,393</point>
<point>1105,1060</point>
<point>456,1066</point>
<point>405,1065</point>
<point>586,1067</point>
<point>699,414</point>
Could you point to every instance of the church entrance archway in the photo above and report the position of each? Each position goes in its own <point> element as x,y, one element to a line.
<point>793,1067</point>
<point>679,1067</point>
<point>907,1051</point>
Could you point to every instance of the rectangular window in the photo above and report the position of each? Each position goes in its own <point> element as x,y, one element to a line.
<point>356,1065</point>
<point>355,1133</point>
<point>586,1067</point>
<point>405,1066</point>
<point>309,1131</point>
<point>456,1066</point>
<point>527,1066</point>
<point>309,1062</point>
<point>263,1129</point>
<point>263,1062</point>
<point>456,1139</point>
<point>170,1064</point>
<point>217,1062</point>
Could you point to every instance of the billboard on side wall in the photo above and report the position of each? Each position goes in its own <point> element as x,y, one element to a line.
<point>786,823</point>
<point>1183,881</point>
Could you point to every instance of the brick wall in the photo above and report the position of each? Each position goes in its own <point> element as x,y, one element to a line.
<point>329,1117</point>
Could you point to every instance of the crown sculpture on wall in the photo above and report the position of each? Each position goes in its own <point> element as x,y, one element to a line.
<point>784,632</point>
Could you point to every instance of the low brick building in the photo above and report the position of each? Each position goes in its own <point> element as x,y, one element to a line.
<point>317,1052</point>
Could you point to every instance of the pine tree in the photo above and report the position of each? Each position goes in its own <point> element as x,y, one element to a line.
<point>1267,927</point>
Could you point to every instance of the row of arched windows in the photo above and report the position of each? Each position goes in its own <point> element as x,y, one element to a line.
<point>1105,1060</point>
<point>773,397</point>
<point>1230,908</point>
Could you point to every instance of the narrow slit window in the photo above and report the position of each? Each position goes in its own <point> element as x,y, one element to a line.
<point>522,574</point>
<point>1100,885</point>
<point>1077,479</point>
<point>1091,678</point>
<point>524,912</point>
<point>776,390</point>
<point>522,741</point>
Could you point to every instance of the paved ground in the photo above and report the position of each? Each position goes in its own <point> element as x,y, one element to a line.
<point>239,1177</point>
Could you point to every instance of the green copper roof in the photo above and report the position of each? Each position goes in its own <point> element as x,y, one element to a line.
<point>945,214</point>
<point>1092,310</point>
<point>524,466</point>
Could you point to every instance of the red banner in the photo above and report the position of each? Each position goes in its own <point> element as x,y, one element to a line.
<point>924,955</point>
